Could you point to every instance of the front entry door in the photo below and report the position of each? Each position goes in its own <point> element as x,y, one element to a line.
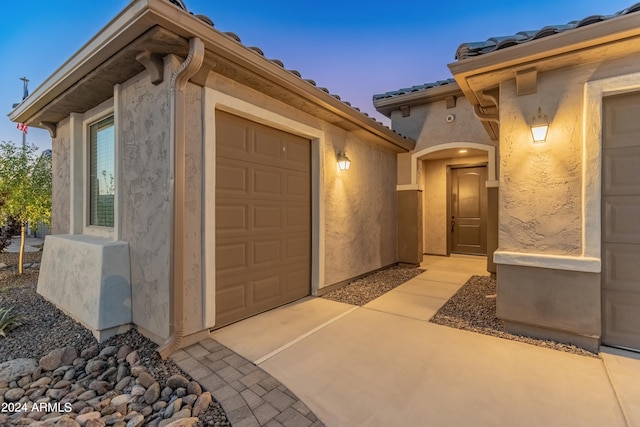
<point>468,221</point>
<point>621,220</point>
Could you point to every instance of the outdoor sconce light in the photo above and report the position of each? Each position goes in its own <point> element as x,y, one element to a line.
<point>343,161</point>
<point>539,127</point>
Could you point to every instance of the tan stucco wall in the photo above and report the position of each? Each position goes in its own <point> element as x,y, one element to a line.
<point>146,209</point>
<point>61,182</point>
<point>436,221</point>
<point>360,210</point>
<point>541,184</point>
<point>428,125</point>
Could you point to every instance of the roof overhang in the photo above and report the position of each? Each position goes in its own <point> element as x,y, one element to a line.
<point>608,39</point>
<point>433,94</point>
<point>159,27</point>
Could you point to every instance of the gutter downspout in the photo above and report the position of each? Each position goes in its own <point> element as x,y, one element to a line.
<point>177,183</point>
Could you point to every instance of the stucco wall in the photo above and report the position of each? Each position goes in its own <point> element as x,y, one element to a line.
<point>360,211</point>
<point>61,185</point>
<point>427,124</point>
<point>436,221</point>
<point>146,209</point>
<point>193,304</point>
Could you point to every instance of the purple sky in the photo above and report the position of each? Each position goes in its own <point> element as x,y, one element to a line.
<point>355,48</point>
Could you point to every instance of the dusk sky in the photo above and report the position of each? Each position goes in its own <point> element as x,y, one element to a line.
<point>355,48</point>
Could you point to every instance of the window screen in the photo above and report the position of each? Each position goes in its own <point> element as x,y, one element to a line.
<point>102,173</point>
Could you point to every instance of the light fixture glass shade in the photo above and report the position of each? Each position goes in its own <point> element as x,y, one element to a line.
<point>343,161</point>
<point>539,127</point>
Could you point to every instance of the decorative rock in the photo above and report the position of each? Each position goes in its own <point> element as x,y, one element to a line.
<point>69,375</point>
<point>14,394</point>
<point>123,371</point>
<point>184,422</point>
<point>120,399</point>
<point>194,388</point>
<point>57,393</point>
<point>78,406</point>
<point>109,374</point>
<point>24,381</point>
<point>62,384</point>
<point>202,404</point>
<point>136,421</point>
<point>82,419</point>
<point>152,394</point>
<point>123,383</point>
<point>145,379</point>
<point>132,358</point>
<point>16,368</point>
<point>123,351</point>
<point>101,387</point>
<point>95,366</point>
<point>138,390</point>
<point>57,358</point>
<point>159,405</point>
<point>177,381</point>
<point>90,352</point>
<point>88,395</point>
<point>166,393</point>
<point>108,351</point>
<point>95,423</point>
<point>189,399</point>
<point>172,408</point>
<point>113,418</point>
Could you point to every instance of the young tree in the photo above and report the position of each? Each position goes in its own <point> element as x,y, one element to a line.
<point>25,187</point>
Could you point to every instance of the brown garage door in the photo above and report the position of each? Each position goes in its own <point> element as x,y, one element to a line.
<point>621,220</point>
<point>263,218</point>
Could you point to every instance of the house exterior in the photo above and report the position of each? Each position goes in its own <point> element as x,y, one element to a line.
<point>567,252</point>
<point>196,181</point>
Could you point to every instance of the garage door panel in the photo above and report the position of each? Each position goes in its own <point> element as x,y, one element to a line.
<point>232,218</point>
<point>621,219</point>
<point>267,253</point>
<point>232,179</point>
<point>621,269</point>
<point>622,121</point>
<point>263,220</point>
<point>622,313</point>
<point>267,217</point>
<point>232,257</point>
<point>621,171</point>
<point>267,182</point>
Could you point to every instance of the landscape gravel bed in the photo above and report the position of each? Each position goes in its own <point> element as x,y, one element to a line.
<point>46,331</point>
<point>369,287</point>
<point>473,308</point>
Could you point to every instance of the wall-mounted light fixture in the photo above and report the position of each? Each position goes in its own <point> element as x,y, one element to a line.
<point>539,127</point>
<point>343,161</point>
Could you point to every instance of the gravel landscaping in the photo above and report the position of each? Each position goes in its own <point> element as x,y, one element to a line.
<point>473,308</point>
<point>121,382</point>
<point>369,287</point>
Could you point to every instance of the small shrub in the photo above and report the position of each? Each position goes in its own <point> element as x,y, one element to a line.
<point>8,321</point>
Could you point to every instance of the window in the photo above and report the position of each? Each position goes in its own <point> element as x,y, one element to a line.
<point>102,173</point>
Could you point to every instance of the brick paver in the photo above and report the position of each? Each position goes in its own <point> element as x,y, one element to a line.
<point>249,396</point>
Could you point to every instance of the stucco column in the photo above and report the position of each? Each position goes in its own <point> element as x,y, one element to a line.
<point>410,226</point>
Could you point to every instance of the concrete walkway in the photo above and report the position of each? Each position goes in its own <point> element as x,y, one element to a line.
<point>385,364</point>
<point>31,244</point>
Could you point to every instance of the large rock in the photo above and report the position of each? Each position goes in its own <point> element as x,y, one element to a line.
<point>177,381</point>
<point>183,422</point>
<point>152,394</point>
<point>202,404</point>
<point>82,419</point>
<point>14,394</point>
<point>146,379</point>
<point>57,358</point>
<point>14,369</point>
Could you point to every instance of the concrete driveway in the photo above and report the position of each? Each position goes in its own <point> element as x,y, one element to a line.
<point>384,364</point>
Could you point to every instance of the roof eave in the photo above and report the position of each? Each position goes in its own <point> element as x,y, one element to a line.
<point>141,15</point>
<point>535,51</point>
<point>437,93</point>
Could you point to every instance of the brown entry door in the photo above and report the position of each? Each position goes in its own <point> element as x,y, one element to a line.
<point>468,222</point>
<point>621,220</point>
<point>263,218</point>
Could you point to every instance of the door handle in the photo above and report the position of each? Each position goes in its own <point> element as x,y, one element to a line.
<point>453,223</point>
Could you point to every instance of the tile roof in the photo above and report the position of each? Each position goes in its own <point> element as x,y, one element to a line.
<point>233,36</point>
<point>412,89</point>
<point>468,50</point>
